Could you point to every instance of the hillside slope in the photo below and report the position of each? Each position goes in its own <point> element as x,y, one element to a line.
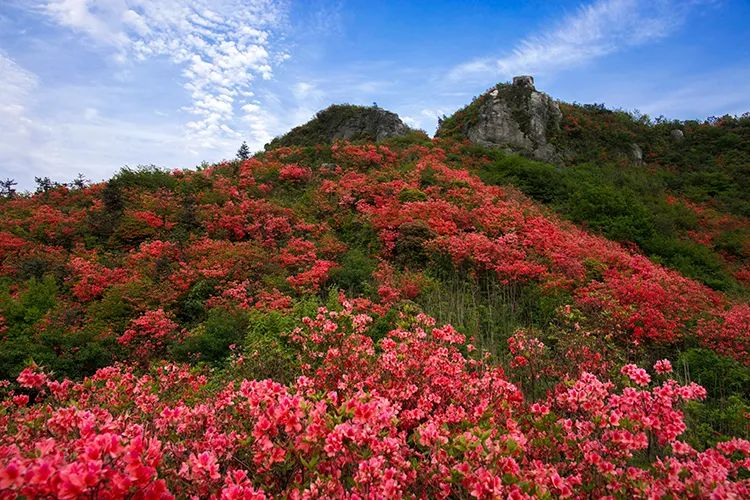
<point>368,319</point>
<point>677,190</point>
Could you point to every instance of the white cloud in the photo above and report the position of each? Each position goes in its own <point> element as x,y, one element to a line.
<point>56,133</point>
<point>222,46</point>
<point>20,131</point>
<point>303,91</point>
<point>593,31</point>
<point>411,121</point>
<point>16,84</point>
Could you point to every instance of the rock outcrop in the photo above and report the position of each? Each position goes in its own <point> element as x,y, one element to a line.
<point>344,122</point>
<point>636,154</point>
<point>514,116</point>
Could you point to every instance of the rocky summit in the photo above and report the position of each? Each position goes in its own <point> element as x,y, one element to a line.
<point>515,116</point>
<point>344,122</point>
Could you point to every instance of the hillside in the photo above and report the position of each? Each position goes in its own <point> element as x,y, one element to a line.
<point>682,199</point>
<point>374,310</point>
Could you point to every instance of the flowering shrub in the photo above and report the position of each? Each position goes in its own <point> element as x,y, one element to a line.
<point>295,173</point>
<point>93,279</point>
<point>729,333</point>
<point>313,278</point>
<point>148,336</point>
<point>414,417</point>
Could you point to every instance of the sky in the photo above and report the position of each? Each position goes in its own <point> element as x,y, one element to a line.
<point>90,86</point>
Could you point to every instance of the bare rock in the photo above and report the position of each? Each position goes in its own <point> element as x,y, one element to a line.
<point>636,154</point>
<point>524,81</point>
<point>519,118</point>
<point>677,135</point>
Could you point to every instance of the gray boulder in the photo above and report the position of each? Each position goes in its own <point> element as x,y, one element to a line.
<point>519,118</point>
<point>636,154</point>
<point>677,135</point>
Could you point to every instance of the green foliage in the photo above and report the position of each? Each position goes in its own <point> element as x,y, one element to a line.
<point>192,308</point>
<point>74,354</point>
<point>615,212</point>
<point>721,376</point>
<point>21,313</point>
<point>113,311</point>
<point>541,181</point>
<point>691,259</point>
<point>413,137</point>
<point>485,309</point>
<point>324,127</point>
<point>733,242</point>
<point>69,353</point>
<point>266,349</point>
<point>356,233</point>
<point>622,204</point>
<point>409,195</point>
<point>149,177</point>
<point>211,340</point>
<point>724,412</point>
<point>354,274</point>
<point>409,250</point>
<point>243,153</point>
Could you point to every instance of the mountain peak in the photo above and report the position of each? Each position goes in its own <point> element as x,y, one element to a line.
<point>515,117</point>
<point>344,122</point>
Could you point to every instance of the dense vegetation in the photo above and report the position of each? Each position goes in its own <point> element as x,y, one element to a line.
<point>686,206</point>
<point>371,320</point>
<point>342,121</point>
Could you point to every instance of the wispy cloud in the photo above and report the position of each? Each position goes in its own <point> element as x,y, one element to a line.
<point>59,132</point>
<point>593,31</point>
<point>17,86</point>
<point>222,47</point>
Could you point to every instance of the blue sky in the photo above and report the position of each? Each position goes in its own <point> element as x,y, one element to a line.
<point>92,85</point>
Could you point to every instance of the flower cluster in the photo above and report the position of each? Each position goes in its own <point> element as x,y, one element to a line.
<point>149,335</point>
<point>412,416</point>
<point>295,173</point>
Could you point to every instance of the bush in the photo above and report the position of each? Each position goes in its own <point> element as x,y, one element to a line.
<point>211,340</point>
<point>354,274</point>
<point>149,177</point>
<point>725,411</point>
<point>409,251</point>
<point>266,348</point>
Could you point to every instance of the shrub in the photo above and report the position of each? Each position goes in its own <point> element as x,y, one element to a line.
<point>212,340</point>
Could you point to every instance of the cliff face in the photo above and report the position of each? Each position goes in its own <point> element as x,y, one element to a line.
<point>344,122</point>
<point>514,116</point>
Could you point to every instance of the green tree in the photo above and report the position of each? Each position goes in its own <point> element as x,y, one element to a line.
<point>244,152</point>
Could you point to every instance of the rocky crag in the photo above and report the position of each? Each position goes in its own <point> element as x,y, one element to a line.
<point>516,117</point>
<point>344,122</point>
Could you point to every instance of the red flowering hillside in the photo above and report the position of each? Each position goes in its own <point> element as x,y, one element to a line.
<point>353,320</point>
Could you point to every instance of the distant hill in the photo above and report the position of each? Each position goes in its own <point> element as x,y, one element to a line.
<point>344,122</point>
<point>711,157</point>
<point>679,190</point>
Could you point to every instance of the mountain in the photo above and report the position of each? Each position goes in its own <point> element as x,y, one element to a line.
<point>410,317</point>
<point>344,122</point>
<point>679,191</point>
